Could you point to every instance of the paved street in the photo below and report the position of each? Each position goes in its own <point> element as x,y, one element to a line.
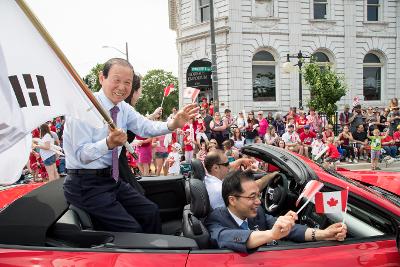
<point>394,167</point>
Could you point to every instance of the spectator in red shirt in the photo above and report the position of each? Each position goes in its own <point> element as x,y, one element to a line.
<point>189,146</point>
<point>396,136</point>
<point>332,154</point>
<point>389,146</point>
<point>204,103</point>
<point>301,121</point>
<point>307,137</point>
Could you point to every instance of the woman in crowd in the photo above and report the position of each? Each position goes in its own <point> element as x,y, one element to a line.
<point>271,137</point>
<point>201,155</point>
<point>251,129</point>
<point>328,133</point>
<point>241,122</point>
<point>48,156</point>
<point>270,118</point>
<point>218,128</point>
<point>383,119</point>
<point>263,124</point>
<point>161,154</point>
<point>345,137</point>
<point>300,121</point>
<point>314,121</point>
<point>238,139</point>
<point>144,150</point>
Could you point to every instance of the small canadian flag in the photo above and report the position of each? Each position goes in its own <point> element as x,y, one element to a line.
<point>191,93</point>
<point>309,191</point>
<point>331,202</point>
<point>169,89</point>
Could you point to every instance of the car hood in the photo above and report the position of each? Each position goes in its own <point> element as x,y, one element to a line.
<point>285,160</point>
<point>389,181</point>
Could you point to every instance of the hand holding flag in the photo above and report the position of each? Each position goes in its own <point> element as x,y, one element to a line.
<point>167,90</point>
<point>311,188</point>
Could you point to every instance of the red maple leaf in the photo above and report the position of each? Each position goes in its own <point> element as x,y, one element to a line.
<point>332,202</point>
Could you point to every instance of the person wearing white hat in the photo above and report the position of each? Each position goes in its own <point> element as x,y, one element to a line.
<point>174,159</point>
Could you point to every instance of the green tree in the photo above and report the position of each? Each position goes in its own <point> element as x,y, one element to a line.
<point>326,88</point>
<point>153,84</point>
<point>92,79</point>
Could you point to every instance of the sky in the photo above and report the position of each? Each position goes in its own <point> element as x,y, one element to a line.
<point>82,27</point>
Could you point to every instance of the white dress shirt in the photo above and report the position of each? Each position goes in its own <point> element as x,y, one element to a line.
<point>237,219</point>
<point>214,189</point>
<point>85,147</point>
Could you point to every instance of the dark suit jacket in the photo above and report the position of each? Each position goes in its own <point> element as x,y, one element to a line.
<point>225,233</point>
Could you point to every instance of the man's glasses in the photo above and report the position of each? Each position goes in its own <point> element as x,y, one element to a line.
<point>226,164</point>
<point>252,198</point>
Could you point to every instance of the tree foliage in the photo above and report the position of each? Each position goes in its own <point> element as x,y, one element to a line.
<point>153,84</point>
<point>326,88</point>
<point>92,79</point>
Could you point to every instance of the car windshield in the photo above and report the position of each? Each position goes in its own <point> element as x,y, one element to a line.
<point>374,189</point>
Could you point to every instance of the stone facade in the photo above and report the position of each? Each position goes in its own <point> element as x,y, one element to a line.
<point>244,27</point>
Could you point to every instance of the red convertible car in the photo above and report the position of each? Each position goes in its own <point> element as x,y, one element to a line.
<point>39,228</point>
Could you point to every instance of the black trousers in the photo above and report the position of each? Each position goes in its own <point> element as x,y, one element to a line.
<point>116,207</point>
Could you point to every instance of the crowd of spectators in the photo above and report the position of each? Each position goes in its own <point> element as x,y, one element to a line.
<point>363,133</point>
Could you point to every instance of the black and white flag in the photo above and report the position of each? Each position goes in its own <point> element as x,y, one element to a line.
<point>34,87</point>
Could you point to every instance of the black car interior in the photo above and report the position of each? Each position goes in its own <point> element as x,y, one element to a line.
<point>44,218</point>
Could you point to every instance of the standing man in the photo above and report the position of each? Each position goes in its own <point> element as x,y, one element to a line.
<point>243,226</point>
<point>345,116</point>
<point>93,182</point>
<point>218,166</point>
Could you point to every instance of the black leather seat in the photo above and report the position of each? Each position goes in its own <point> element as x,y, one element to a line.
<point>195,212</point>
<point>198,170</point>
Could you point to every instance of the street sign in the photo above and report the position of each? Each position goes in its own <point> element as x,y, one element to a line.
<point>201,69</point>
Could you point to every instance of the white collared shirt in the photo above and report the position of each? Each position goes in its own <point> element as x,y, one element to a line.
<point>214,189</point>
<point>85,147</point>
<point>237,219</point>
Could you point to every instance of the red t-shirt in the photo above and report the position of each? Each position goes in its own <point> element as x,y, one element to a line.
<point>307,138</point>
<point>204,105</point>
<point>396,136</point>
<point>332,151</point>
<point>211,110</point>
<point>387,139</point>
<point>36,133</point>
<point>188,144</point>
<point>301,121</point>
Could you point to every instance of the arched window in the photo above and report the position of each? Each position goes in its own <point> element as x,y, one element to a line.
<point>321,59</point>
<point>372,75</point>
<point>264,77</point>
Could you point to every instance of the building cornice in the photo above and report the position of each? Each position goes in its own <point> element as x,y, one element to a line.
<point>202,34</point>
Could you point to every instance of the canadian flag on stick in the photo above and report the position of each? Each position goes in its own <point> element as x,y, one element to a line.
<point>169,89</point>
<point>311,188</point>
<point>331,202</point>
<point>191,93</point>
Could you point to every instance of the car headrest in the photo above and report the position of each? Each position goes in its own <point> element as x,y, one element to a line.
<point>198,169</point>
<point>199,203</point>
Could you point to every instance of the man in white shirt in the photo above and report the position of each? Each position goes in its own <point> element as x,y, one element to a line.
<point>93,182</point>
<point>218,166</point>
<point>292,140</point>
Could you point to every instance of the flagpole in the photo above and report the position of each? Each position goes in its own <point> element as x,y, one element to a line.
<point>304,205</point>
<point>345,209</point>
<point>50,41</point>
<point>162,101</point>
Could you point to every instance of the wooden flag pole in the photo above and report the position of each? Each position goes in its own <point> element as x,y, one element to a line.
<point>50,41</point>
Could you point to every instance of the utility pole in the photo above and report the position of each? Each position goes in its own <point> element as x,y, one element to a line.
<point>214,58</point>
<point>126,51</point>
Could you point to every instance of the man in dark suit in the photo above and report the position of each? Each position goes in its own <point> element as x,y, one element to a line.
<point>243,225</point>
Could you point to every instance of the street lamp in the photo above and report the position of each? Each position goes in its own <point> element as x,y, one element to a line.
<point>124,53</point>
<point>288,67</point>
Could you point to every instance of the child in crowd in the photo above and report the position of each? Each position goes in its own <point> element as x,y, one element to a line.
<point>174,159</point>
<point>258,140</point>
<point>212,145</point>
<point>317,146</point>
<point>376,146</point>
<point>189,146</point>
<point>332,154</point>
<point>200,131</point>
<point>281,144</point>
<point>201,155</point>
<point>229,150</point>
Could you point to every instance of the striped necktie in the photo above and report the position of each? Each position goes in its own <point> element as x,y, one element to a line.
<point>115,167</point>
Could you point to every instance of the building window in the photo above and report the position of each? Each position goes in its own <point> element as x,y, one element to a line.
<point>320,9</point>
<point>263,8</point>
<point>373,7</point>
<point>321,59</point>
<point>372,77</point>
<point>204,6</point>
<point>264,77</point>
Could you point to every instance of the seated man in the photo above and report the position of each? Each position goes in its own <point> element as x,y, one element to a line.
<point>217,166</point>
<point>243,226</point>
<point>292,140</point>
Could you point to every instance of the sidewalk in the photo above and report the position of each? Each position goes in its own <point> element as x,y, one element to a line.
<point>363,165</point>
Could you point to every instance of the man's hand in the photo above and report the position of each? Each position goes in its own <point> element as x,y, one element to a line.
<point>116,137</point>
<point>283,225</point>
<point>336,231</point>
<point>183,116</point>
<point>246,162</point>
